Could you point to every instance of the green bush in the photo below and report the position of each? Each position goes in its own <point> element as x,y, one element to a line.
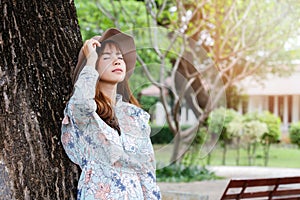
<point>161,135</point>
<point>182,173</point>
<point>219,120</point>
<point>148,102</point>
<point>273,122</point>
<point>294,133</point>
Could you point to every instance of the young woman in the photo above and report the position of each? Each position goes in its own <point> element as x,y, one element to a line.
<point>104,130</point>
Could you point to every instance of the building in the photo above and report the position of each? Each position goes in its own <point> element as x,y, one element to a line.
<point>279,95</point>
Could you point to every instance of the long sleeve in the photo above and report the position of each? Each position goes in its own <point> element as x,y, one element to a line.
<point>85,89</point>
<point>72,132</point>
<point>93,137</point>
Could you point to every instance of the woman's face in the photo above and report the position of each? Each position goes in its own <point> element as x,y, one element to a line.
<point>111,66</point>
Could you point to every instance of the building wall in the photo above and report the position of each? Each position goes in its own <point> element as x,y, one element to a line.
<point>187,116</point>
<point>286,107</point>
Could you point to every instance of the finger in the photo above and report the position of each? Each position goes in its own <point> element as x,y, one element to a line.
<point>97,38</point>
<point>95,43</point>
<point>89,47</point>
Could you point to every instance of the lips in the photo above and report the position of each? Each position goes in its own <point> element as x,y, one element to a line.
<point>117,70</point>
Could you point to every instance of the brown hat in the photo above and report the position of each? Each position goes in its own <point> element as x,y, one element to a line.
<point>127,47</point>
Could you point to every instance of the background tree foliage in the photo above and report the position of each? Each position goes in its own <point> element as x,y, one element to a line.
<point>241,38</point>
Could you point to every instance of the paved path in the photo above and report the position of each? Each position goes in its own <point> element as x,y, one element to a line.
<point>214,189</point>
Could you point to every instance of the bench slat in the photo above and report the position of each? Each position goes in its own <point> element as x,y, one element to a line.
<point>273,188</point>
<point>263,182</point>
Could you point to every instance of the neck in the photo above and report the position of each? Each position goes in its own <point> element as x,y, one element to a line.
<point>109,90</point>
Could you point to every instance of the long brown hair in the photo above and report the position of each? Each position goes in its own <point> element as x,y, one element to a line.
<point>104,107</point>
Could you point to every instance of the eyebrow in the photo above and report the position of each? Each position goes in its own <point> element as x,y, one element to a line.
<point>108,53</point>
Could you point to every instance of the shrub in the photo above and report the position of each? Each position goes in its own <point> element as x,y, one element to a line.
<point>294,133</point>
<point>273,122</point>
<point>162,134</point>
<point>218,122</point>
<point>148,102</point>
<point>182,173</point>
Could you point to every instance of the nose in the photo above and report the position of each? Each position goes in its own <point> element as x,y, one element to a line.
<point>116,61</point>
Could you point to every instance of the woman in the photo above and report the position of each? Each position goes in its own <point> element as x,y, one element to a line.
<point>104,131</point>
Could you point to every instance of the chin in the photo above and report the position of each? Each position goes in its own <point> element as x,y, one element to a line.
<point>118,80</point>
<point>121,80</point>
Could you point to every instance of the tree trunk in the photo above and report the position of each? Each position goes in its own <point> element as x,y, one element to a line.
<point>267,153</point>
<point>175,157</point>
<point>238,147</point>
<point>39,43</point>
<point>249,154</point>
<point>224,154</point>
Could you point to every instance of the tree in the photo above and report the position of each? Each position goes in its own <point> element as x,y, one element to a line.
<point>272,135</point>
<point>252,135</point>
<point>219,122</point>
<point>235,128</point>
<point>40,41</point>
<point>266,126</point>
<point>242,38</point>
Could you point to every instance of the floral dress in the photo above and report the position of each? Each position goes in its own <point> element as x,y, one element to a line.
<point>113,167</point>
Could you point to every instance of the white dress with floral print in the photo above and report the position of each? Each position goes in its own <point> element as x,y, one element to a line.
<point>113,167</point>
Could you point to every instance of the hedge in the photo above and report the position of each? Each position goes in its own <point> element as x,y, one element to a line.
<point>162,134</point>
<point>294,133</point>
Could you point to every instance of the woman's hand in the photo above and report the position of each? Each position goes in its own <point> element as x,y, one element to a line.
<point>89,51</point>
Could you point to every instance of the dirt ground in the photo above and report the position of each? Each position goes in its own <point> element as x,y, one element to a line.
<point>213,190</point>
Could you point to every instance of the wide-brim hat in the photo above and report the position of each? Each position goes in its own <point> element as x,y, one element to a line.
<point>127,47</point>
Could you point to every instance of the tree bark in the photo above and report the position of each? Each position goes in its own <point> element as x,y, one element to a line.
<point>39,43</point>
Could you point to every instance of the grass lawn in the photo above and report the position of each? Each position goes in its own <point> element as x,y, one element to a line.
<point>280,156</point>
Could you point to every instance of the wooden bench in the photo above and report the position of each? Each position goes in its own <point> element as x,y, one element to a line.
<point>284,188</point>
